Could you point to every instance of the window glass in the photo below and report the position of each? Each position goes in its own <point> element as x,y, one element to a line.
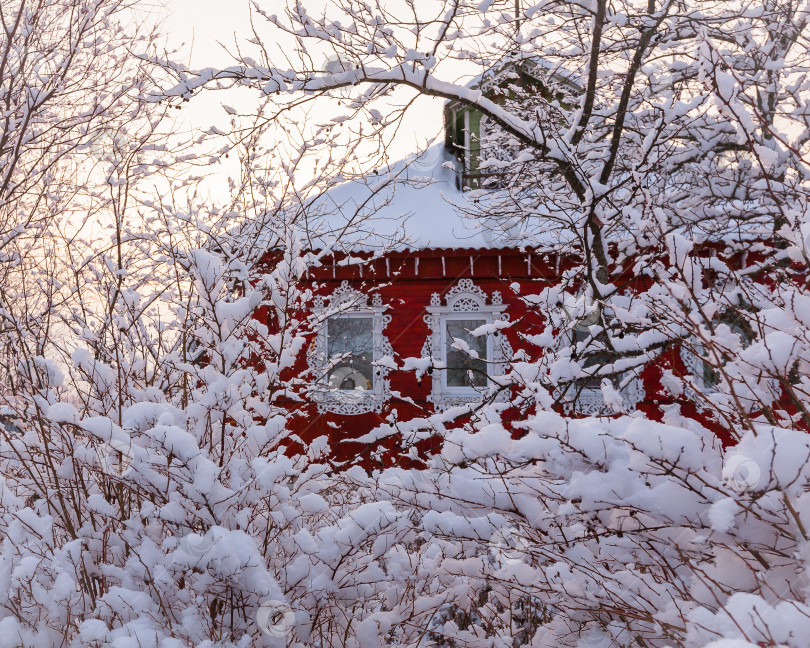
<point>593,360</point>
<point>350,346</point>
<point>743,330</point>
<point>463,369</point>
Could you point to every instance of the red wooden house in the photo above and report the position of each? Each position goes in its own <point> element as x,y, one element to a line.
<point>394,340</point>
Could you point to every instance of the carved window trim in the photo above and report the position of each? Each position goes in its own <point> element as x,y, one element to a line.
<point>590,401</point>
<point>464,301</point>
<point>346,301</point>
<point>695,363</point>
<point>693,355</point>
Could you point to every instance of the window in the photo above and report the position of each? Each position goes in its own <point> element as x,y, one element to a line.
<point>706,373</point>
<point>345,355</point>
<point>464,364</point>
<point>585,336</point>
<point>582,335</point>
<point>350,350</point>
<point>465,354</point>
<point>694,355</point>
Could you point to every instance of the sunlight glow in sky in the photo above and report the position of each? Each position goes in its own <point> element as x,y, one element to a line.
<point>202,29</point>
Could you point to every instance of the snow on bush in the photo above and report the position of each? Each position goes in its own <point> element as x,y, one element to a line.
<point>623,532</point>
<point>579,533</point>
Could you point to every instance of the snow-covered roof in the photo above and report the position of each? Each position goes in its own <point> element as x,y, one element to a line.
<point>416,204</point>
<point>413,204</point>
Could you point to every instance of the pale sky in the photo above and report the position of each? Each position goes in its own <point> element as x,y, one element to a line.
<point>202,26</point>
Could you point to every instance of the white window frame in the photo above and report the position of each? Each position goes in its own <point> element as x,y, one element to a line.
<point>590,401</point>
<point>464,301</point>
<point>345,301</point>
<point>694,363</point>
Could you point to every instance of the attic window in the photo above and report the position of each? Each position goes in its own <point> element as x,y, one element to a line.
<point>347,355</point>
<point>466,366</point>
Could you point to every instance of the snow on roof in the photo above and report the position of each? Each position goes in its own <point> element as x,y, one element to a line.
<point>413,204</point>
<point>416,204</point>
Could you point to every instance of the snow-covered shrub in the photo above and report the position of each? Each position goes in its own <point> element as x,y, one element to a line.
<point>153,494</point>
<point>613,533</point>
